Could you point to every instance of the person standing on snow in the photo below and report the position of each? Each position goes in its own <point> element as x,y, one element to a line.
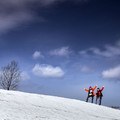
<point>90,93</point>
<point>99,95</point>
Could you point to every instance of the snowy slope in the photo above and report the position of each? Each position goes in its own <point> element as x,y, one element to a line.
<point>26,106</point>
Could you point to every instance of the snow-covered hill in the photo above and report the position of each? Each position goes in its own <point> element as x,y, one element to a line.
<point>26,106</point>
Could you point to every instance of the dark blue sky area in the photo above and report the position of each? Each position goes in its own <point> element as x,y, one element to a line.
<point>92,23</point>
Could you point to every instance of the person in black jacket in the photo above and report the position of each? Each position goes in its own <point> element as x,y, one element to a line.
<point>99,95</point>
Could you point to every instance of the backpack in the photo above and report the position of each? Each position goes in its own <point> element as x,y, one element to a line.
<point>100,93</point>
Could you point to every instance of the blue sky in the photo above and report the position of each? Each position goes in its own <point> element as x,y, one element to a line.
<point>63,46</point>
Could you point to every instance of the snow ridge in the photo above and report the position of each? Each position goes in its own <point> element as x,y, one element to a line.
<point>26,106</point>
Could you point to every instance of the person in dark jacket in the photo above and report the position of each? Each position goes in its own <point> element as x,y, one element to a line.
<point>90,93</point>
<point>99,95</point>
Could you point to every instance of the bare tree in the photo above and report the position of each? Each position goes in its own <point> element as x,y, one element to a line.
<point>10,76</point>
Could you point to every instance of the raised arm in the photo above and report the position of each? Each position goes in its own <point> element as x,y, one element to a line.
<point>94,88</point>
<point>102,88</point>
<point>86,89</point>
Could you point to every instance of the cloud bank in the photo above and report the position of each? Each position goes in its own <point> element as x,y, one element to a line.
<point>109,50</point>
<point>14,13</point>
<point>112,73</point>
<point>63,51</point>
<point>47,71</point>
<point>37,54</point>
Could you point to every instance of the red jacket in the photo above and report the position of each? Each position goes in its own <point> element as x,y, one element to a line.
<point>99,93</point>
<point>92,89</point>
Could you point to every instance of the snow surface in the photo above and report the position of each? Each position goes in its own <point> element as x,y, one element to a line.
<point>26,106</point>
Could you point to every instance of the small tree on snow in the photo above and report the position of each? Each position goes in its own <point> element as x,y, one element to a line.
<point>10,76</point>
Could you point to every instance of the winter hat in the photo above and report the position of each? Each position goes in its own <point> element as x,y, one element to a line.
<point>90,87</point>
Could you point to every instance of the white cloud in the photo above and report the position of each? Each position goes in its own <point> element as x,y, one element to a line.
<point>85,69</point>
<point>37,54</point>
<point>83,52</point>
<point>64,51</point>
<point>47,71</point>
<point>112,73</point>
<point>16,12</point>
<point>10,21</point>
<point>25,76</point>
<point>97,51</point>
<point>109,50</point>
<point>118,43</point>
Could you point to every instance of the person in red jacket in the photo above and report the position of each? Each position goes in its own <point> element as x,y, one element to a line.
<point>90,93</point>
<point>99,95</point>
